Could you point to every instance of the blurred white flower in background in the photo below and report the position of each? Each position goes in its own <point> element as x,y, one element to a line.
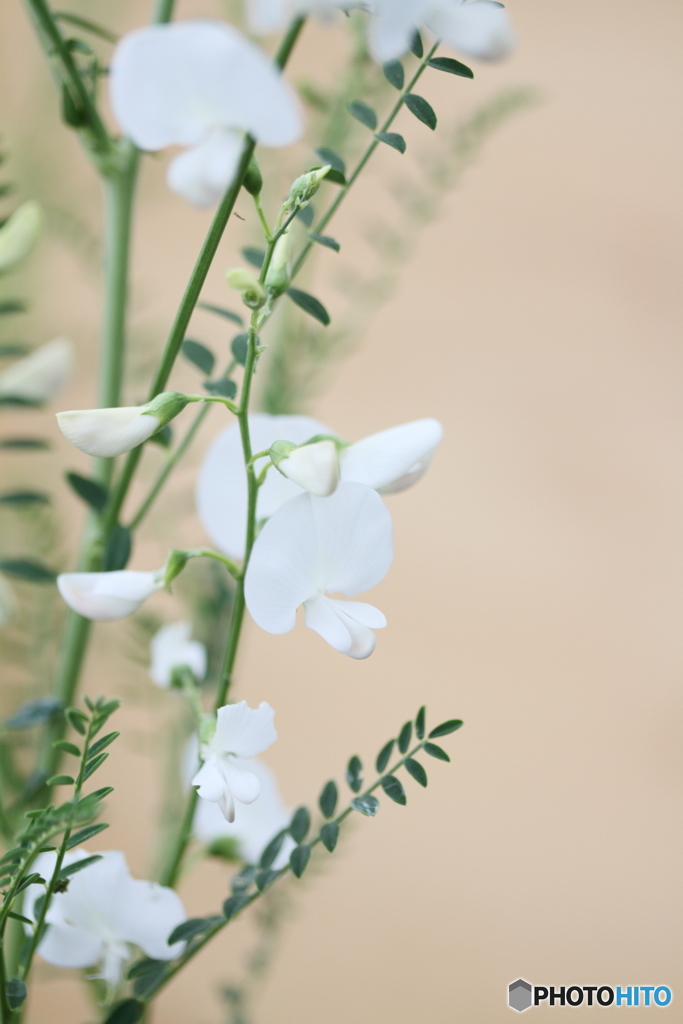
<point>171,648</point>
<point>312,547</point>
<point>38,376</point>
<point>200,85</point>
<point>106,596</point>
<point>103,913</point>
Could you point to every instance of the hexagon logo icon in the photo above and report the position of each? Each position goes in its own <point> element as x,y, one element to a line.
<point>519,995</point>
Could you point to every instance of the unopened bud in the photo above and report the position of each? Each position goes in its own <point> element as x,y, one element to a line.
<point>253,292</point>
<point>175,563</point>
<point>19,234</point>
<point>306,185</point>
<point>277,278</point>
<point>253,180</point>
<point>106,433</point>
<point>315,467</point>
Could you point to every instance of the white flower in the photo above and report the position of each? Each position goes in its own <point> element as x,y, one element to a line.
<point>103,913</point>
<point>19,234</point>
<point>40,375</point>
<point>8,602</point>
<point>268,16</point>
<point>200,84</point>
<point>241,732</point>
<point>109,432</point>
<point>313,547</point>
<point>105,596</point>
<point>315,467</point>
<point>172,648</point>
<point>388,461</point>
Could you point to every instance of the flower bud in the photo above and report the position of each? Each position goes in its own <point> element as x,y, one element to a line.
<point>106,596</point>
<point>8,603</point>
<point>171,648</point>
<point>253,292</point>
<point>19,234</point>
<point>109,432</point>
<point>40,375</point>
<point>253,180</point>
<point>306,185</point>
<point>175,563</point>
<point>277,278</point>
<point>315,467</point>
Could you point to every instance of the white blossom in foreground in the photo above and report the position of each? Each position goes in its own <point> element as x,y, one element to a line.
<point>39,376</point>
<point>313,547</point>
<point>103,914</point>
<point>106,433</point>
<point>106,596</point>
<point>8,602</point>
<point>200,85</point>
<point>171,648</point>
<point>19,234</point>
<point>241,732</point>
<point>315,467</point>
<point>388,461</point>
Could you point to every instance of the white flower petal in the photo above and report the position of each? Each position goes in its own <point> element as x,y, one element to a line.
<point>202,174</point>
<point>107,432</point>
<point>221,494</point>
<point>244,731</point>
<point>345,624</point>
<point>315,467</point>
<point>321,616</point>
<point>171,647</point>
<point>393,26</point>
<point>106,596</point>
<point>147,913</point>
<point>39,376</point>
<point>364,614</point>
<point>209,781</point>
<point>393,459</point>
<point>243,784</point>
<point>479,28</point>
<point>65,945</point>
<point>355,539</point>
<point>363,640</point>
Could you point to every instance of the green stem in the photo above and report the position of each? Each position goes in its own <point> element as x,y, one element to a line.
<point>171,869</point>
<point>163,11</point>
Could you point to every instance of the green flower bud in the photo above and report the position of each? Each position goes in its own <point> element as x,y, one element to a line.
<point>19,235</point>
<point>277,278</point>
<point>306,186</point>
<point>175,563</point>
<point>253,180</point>
<point>253,292</point>
<point>166,406</point>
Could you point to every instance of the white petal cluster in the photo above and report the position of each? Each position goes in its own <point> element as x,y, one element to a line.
<point>200,85</point>
<point>103,914</point>
<point>314,547</point>
<point>241,732</point>
<point>106,596</point>
<point>19,234</point>
<point>172,648</point>
<point>39,376</point>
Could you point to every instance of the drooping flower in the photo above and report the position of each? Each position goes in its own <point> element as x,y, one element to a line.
<point>313,547</point>
<point>39,376</point>
<point>315,467</point>
<point>8,602</point>
<point>241,732</point>
<point>200,85</point>
<point>171,648</point>
<point>109,432</point>
<point>19,234</point>
<point>103,914</point>
<point>106,596</point>
<point>388,461</point>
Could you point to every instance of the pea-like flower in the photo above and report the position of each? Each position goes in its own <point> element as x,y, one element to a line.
<point>312,548</point>
<point>106,596</point>
<point>389,461</point>
<point>106,433</point>
<point>103,914</point>
<point>200,85</point>
<point>240,732</point>
<point>38,376</point>
<point>171,648</point>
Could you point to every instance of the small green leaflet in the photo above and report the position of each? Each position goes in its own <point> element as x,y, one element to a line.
<point>445,728</point>
<point>239,348</point>
<point>224,388</point>
<point>392,139</point>
<point>20,917</point>
<point>420,722</point>
<point>128,1011</point>
<point>12,306</point>
<point>102,743</point>
<point>87,26</point>
<point>329,834</point>
<point>243,879</point>
<point>71,869</point>
<point>307,215</point>
<point>422,110</point>
<point>93,765</point>
<point>24,444</point>
<point>254,256</point>
<point>300,824</point>
<point>265,878</point>
<point>67,748</point>
<point>188,929</point>
<point>234,904</point>
<point>328,799</point>
<point>298,859</point>
<point>272,850</point>
<point>363,113</point>
<point>163,437</point>
<point>384,755</point>
<point>15,989</point>
<point>353,774</point>
<point>199,355</point>
<point>435,751</point>
<point>90,491</point>
<point>416,47</point>
<point>337,173</point>
<point>118,549</point>
<point>394,789</point>
<point>394,74</point>
<point>404,737</point>
<point>415,769</point>
<point>24,499</point>
<point>220,311</point>
<point>60,780</point>
<point>35,712</point>
<point>327,241</point>
<point>25,569</point>
<point>453,67</point>
<point>85,834</point>
<point>10,351</point>
<point>310,305</point>
<point>146,966</point>
<point>368,805</point>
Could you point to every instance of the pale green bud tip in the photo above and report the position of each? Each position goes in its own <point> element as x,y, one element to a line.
<point>306,185</point>
<point>280,450</point>
<point>277,278</point>
<point>313,466</point>
<point>175,563</point>
<point>19,235</point>
<point>207,728</point>
<point>166,406</point>
<point>253,292</point>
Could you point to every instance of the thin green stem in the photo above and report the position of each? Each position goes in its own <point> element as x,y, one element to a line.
<point>262,217</point>
<point>171,868</point>
<point>163,11</point>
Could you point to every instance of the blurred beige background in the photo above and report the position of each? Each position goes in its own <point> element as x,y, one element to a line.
<point>536,591</point>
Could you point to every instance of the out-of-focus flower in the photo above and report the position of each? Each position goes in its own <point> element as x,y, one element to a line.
<point>40,375</point>
<point>109,432</point>
<point>8,602</point>
<point>19,234</point>
<point>103,913</point>
<point>106,596</point>
<point>200,85</point>
<point>241,732</point>
<point>313,547</point>
<point>172,648</point>
<point>315,467</point>
<point>389,461</point>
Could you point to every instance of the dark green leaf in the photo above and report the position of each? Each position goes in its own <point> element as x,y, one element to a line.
<point>71,869</point>
<point>163,437</point>
<point>420,722</point>
<point>31,879</point>
<point>24,498</point>
<point>445,728</point>
<point>24,444</point>
<point>453,67</point>
<point>327,241</point>
<point>239,348</point>
<point>393,72</point>
<point>92,766</point>
<point>224,388</point>
<point>336,177</point>
<point>188,929</point>
<point>300,824</point>
<point>15,989</point>
<point>404,737</point>
<point>368,805</point>
<point>12,351</point>
<point>415,769</point>
<point>20,917</point>
<point>328,156</point>
<point>254,256</point>
<point>99,794</point>
<point>76,720</point>
<point>353,774</point>
<point>146,966</point>
<point>394,789</point>
<point>92,492</point>
<point>128,1011</point>
<point>102,743</point>
<point>363,113</point>
<point>422,110</point>
<point>265,878</point>
<point>310,305</point>
<point>73,112</point>
<point>328,799</point>
<point>435,751</point>
<point>12,306</point>
<point>298,859</point>
<point>416,47</point>
<point>60,780</point>
<point>307,215</point>
<point>67,748</point>
<point>243,879</point>
<point>392,139</point>
<point>234,904</point>
<point>146,982</point>
<point>118,549</point>
<point>272,850</point>
<point>21,403</point>
<point>220,311</point>
<point>329,835</point>
<point>200,355</point>
<point>384,755</point>
<point>35,712</point>
<point>224,847</point>
<point>85,834</point>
